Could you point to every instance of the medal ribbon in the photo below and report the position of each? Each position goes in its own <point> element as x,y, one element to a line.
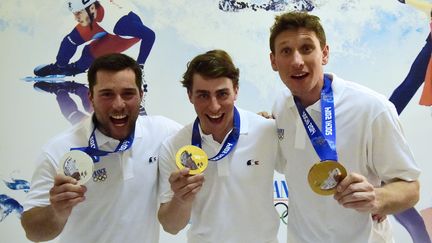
<point>230,142</point>
<point>94,151</point>
<point>324,143</point>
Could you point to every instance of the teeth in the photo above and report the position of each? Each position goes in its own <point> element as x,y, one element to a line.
<point>215,116</point>
<point>299,75</point>
<point>118,116</point>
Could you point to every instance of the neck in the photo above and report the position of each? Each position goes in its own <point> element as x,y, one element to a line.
<point>312,96</point>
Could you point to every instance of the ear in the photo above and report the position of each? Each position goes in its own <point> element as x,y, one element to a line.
<point>273,62</point>
<point>190,96</point>
<point>90,96</point>
<point>326,55</point>
<point>236,92</point>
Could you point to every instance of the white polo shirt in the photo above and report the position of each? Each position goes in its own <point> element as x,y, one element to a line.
<point>369,141</point>
<point>235,203</point>
<point>121,198</point>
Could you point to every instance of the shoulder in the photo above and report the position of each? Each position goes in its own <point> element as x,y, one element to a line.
<point>176,140</point>
<point>359,97</point>
<point>281,100</point>
<point>254,123</point>
<point>158,122</point>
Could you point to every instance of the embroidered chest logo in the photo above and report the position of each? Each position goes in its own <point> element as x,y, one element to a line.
<point>100,175</point>
<point>280,133</point>
<point>252,162</point>
<point>152,159</point>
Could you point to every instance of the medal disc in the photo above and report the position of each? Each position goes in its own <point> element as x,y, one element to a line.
<point>324,176</point>
<point>78,165</point>
<point>192,157</point>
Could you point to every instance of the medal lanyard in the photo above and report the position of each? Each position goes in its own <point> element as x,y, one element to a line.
<point>230,142</point>
<point>323,143</point>
<point>93,150</point>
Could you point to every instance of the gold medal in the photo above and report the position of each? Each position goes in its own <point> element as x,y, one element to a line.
<point>324,176</point>
<point>78,165</point>
<point>191,157</point>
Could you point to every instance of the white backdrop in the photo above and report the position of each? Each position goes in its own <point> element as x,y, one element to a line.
<point>371,42</point>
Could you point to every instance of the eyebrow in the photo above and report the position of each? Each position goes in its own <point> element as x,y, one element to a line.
<point>206,91</point>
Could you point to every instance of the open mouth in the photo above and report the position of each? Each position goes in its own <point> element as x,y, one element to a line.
<point>216,118</point>
<point>299,76</point>
<point>119,120</point>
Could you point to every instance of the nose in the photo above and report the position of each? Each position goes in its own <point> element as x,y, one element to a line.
<point>214,105</point>
<point>298,61</point>
<point>118,103</point>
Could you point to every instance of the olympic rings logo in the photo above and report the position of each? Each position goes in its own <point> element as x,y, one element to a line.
<point>282,209</point>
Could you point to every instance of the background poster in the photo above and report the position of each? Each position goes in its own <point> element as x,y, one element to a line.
<point>371,42</point>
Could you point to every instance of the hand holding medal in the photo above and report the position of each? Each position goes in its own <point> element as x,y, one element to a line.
<point>192,157</point>
<point>78,165</point>
<point>324,176</point>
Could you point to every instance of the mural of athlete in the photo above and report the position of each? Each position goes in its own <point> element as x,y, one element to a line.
<point>128,31</point>
<point>420,71</point>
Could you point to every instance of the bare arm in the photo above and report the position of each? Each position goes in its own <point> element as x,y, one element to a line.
<point>45,223</point>
<point>357,193</point>
<point>175,214</point>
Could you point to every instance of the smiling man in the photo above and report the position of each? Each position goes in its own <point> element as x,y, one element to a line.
<point>119,203</point>
<point>232,201</point>
<point>319,109</point>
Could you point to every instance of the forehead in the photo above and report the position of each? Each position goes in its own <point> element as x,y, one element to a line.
<point>111,79</point>
<point>291,37</point>
<point>200,83</point>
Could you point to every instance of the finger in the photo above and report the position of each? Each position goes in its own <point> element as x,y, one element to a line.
<point>60,179</point>
<point>195,178</point>
<point>64,196</point>
<point>176,175</point>
<point>348,180</point>
<point>67,188</point>
<point>182,192</point>
<point>191,194</point>
<point>355,191</point>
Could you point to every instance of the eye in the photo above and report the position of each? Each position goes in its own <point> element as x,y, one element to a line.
<point>285,51</point>
<point>202,96</point>
<point>106,95</point>
<point>223,94</point>
<point>129,95</point>
<point>307,48</point>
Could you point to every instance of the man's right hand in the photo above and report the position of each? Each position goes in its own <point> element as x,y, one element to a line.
<point>65,194</point>
<point>185,186</point>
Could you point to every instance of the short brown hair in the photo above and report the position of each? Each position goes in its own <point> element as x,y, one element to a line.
<point>212,64</point>
<point>114,62</point>
<point>295,21</point>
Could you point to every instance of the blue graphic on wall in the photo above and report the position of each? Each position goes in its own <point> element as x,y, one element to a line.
<point>270,5</point>
<point>18,184</point>
<point>9,205</point>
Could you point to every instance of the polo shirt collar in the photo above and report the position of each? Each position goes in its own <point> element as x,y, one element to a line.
<point>102,139</point>
<point>337,87</point>
<point>244,127</point>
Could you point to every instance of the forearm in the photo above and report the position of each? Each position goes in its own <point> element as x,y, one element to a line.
<point>174,215</point>
<point>397,196</point>
<point>41,224</point>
